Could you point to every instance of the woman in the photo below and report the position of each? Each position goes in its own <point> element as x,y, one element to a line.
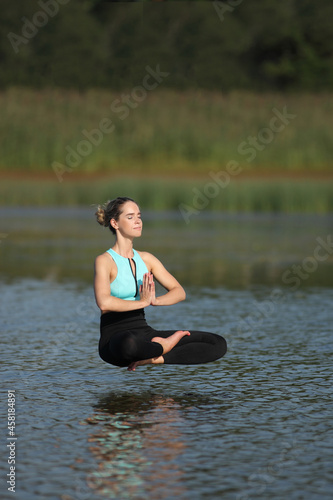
<point>124,286</point>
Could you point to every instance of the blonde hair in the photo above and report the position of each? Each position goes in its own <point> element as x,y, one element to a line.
<point>110,210</point>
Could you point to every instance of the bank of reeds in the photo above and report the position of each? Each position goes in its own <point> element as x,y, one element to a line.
<point>165,194</point>
<point>168,131</point>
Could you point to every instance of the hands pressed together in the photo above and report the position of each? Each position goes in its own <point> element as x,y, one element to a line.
<point>147,290</point>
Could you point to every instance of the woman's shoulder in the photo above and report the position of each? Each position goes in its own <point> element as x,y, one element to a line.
<point>149,259</point>
<point>104,259</point>
<point>145,255</point>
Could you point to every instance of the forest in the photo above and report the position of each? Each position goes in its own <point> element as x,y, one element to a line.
<point>284,45</point>
<point>167,94</point>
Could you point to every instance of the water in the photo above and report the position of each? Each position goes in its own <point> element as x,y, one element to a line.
<point>255,425</point>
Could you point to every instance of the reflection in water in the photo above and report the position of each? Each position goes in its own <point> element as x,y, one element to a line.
<point>269,402</point>
<point>137,442</point>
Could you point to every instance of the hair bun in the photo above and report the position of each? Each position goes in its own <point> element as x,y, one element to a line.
<point>110,210</point>
<point>101,216</point>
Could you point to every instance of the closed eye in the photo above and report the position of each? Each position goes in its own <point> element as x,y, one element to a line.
<point>130,216</point>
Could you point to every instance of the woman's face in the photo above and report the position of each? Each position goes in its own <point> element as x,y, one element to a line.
<point>129,222</point>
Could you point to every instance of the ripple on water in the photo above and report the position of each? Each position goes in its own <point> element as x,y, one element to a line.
<point>256,424</point>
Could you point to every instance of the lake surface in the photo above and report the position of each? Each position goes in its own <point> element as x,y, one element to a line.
<point>256,424</point>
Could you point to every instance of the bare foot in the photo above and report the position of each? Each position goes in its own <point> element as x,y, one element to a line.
<point>154,361</point>
<point>169,342</point>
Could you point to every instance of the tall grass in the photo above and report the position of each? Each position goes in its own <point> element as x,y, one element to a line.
<point>153,194</point>
<point>173,131</point>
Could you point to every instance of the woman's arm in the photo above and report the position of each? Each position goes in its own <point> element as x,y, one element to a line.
<point>104,300</point>
<point>175,293</point>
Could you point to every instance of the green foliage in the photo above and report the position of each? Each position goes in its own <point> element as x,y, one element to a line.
<point>283,196</point>
<point>190,132</point>
<point>284,45</point>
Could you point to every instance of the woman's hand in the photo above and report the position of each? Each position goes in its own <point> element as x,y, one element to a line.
<point>147,290</point>
<point>175,292</point>
<point>152,288</point>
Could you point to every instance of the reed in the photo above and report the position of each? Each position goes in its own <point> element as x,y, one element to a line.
<point>170,131</point>
<point>167,194</point>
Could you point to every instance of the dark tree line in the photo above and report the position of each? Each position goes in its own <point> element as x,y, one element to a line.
<point>222,45</point>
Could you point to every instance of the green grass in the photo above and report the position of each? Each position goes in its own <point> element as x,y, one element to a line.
<point>170,131</point>
<point>165,194</point>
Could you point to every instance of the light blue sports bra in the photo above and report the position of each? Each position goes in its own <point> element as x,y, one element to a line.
<point>126,286</point>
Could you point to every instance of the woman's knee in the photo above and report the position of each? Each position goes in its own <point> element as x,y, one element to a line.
<point>221,345</point>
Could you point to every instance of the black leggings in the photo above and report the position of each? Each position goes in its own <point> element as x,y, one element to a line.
<point>126,337</point>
